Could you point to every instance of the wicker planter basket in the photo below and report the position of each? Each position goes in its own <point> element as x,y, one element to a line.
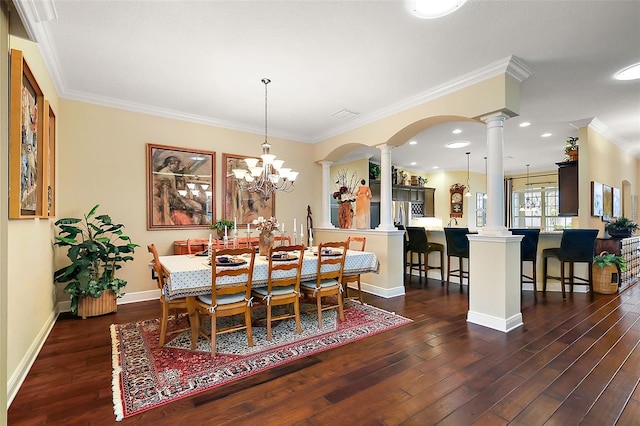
<point>605,280</point>
<point>94,306</point>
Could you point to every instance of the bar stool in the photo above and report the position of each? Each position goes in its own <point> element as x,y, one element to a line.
<point>528,253</point>
<point>576,246</point>
<point>457,246</point>
<point>419,244</point>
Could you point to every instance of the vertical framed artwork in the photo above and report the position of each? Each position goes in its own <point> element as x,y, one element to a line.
<point>49,165</point>
<point>607,203</point>
<point>180,187</point>
<point>617,203</point>
<point>241,205</point>
<point>26,178</point>
<point>596,198</point>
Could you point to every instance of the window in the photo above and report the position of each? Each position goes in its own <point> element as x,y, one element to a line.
<point>538,208</point>
<point>481,209</point>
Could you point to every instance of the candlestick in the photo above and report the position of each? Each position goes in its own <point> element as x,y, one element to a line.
<point>301,234</point>
<point>225,231</point>
<point>209,239</point>
<point>283,227</point>
<point>294,224</point>
<point>235,223</point>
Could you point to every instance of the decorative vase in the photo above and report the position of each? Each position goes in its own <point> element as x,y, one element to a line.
<point>619,233</point>
<point>265,242</point>
<point>573,155</point>
<point>345,214</point>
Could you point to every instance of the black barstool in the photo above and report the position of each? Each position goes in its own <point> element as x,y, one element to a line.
<point>420,245</point>
<point>457,246</point>
<point>576,246</point>
<point>528,253</point>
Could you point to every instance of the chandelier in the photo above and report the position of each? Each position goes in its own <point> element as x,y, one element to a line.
<point>265,175</point>
<point>530,200</point>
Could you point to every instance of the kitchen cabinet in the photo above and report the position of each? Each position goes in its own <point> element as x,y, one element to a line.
<point>417,195</point>
<point>568,188</point>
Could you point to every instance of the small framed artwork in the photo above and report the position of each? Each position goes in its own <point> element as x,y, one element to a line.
<point>26,178</point>
<point>240,205</point>
<point>617,203</point>
<point>607,203</point>
<point>596,199</point>
<point>49,166</point>
<point>180,187</point>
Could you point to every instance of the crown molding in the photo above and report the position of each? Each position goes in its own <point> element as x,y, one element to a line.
<point>511,66</point>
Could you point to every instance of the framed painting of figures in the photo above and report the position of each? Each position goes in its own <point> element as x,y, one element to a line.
<point>240,205</point>
<point>180,187</point>
<point>26,177</point>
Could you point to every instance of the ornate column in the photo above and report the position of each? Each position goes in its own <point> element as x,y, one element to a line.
<point>386,221</point>
<point>326,195</point>
<point>495,174</point>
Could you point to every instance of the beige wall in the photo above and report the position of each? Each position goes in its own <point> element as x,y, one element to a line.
<point>29,275</point>
<point>4,205</point>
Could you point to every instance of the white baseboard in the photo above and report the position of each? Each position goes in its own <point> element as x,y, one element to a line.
<point>20,373</point>
<point>496,323</point>
<point>387,293</point>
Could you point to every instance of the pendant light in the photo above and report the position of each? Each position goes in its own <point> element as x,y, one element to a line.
<point>468,194</point>
<point>267,176</point>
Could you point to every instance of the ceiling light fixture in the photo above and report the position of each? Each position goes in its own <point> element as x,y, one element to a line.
<point>269,176</point>
<point>468,194</point>
<point>525,124</point>
<point>629,73</point>
<point>530,201</point>
<point>431,9</point>
<point>457,144</point>
<point>546,135</point>
<point>457,131</point>
<point>413,143</point>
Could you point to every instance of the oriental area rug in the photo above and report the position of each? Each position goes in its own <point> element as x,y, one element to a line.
<point>147,376</point>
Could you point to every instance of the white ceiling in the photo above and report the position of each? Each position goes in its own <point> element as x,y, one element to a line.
<point>203,61</point>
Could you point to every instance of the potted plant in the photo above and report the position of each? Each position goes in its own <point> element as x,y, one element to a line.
<point>621,228</point>
<point>96,248</point>
<point>220,224</point>
<point>606,268</point>
<point>571,149</point>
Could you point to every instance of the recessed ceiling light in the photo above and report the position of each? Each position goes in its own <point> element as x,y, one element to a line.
<point>525,124</point>
<point>457,144</point>
<point>430,9</point>
<point>413,143</point>
<point>457,131</point>
<point>435,167</point>
<point>413,163</point>
<point>546,135</point>
<point>629,73</point>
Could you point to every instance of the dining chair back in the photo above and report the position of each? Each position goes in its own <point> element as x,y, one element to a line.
<point>419,245</point>
<point>283,284</point>
<point>354,243</point>
<point>283,240</point>
<point>528,253</point>
<point>331,256</point>
<point>167,305</point>
<point>458,247</point>
<point>576,246</point>
<point>226,299</point>
<point>195,245</point>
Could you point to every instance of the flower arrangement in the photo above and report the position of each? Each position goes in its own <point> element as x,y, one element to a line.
<point>346,187</point>
<point>268,225</point>
<point>457,187</point>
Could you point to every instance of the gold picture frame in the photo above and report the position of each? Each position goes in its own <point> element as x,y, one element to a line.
<point>238,205</point>
<point>26,153</point>
<point>49,165</point>
<point>181,187</point>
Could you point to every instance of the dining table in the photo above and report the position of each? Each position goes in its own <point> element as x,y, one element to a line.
<point>189,275</point>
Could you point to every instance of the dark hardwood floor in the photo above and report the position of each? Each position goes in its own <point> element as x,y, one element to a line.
<point>573,362</point>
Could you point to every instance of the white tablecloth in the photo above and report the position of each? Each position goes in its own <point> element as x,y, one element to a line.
<point>191,276</point>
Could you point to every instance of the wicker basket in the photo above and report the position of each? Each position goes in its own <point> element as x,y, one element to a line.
<point>605,280</point>
<point>94,306</point>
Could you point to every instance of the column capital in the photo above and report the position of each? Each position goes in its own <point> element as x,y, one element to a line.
<point>495,119</point>
<point>325,163</point>
<point>385,147</point>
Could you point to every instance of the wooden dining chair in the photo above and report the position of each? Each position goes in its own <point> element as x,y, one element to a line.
<point>167,305</point>
<point>282,239</point>
<point>329,278</point>
<point>226,299</point>
<point>282,290</point>
<point>354,243</point>
<point>195,245</point>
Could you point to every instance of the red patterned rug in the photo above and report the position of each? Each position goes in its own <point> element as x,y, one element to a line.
<point>146,376</point>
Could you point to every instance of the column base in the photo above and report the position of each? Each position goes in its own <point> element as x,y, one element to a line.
<point>501,324</point>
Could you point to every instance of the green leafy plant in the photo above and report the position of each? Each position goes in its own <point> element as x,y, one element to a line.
<point>220,224</point>
<point>97,248</point>
<point>606,259</point>
<point>571,145</point>
<point>621,227</point>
